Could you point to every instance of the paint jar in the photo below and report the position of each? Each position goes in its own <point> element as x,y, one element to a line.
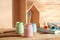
<point>34,28</point>
<point>20,28</point>
<point>17,27</point>
<point>28,30</point>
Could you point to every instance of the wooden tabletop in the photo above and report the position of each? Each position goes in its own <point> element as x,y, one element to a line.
<point>37,36</point>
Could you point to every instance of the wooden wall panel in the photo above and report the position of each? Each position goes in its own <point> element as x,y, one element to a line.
<point>22,10</point>
<point>19,11</point>
<point>15,9</point>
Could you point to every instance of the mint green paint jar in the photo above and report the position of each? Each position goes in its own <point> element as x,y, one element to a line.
<point>19,28</point>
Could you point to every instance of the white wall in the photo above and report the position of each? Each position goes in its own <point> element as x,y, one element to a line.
<point>5,13</point>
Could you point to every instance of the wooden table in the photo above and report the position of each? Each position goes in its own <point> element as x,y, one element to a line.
<point>37,36</point>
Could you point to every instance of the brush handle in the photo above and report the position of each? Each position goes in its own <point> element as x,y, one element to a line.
<point>29,17</point>
<point>52,26</point>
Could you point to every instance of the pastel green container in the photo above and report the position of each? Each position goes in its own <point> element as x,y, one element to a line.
<point>19,28</point>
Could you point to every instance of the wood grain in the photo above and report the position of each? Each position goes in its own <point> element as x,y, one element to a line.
<point>35,16</point>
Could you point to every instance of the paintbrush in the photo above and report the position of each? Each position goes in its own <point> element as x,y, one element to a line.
<point>52,25</point>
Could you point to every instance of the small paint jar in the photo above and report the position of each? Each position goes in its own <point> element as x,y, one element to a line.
<point>34,28</point>
<point>28,30</point>
<point>17,27</point>
<point>20,28</point>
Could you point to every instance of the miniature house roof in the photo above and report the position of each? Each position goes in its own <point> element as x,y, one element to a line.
<point>30,4</point>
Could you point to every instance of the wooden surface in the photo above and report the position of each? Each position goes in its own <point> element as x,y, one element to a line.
<point>36,36</point>
<point>7,30</point>
<point>29,3</point>
<point>15,11</point>
<point>35,14</point>
<point>49,10</point>
<point>19,11</point>
<point>22,12</point>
